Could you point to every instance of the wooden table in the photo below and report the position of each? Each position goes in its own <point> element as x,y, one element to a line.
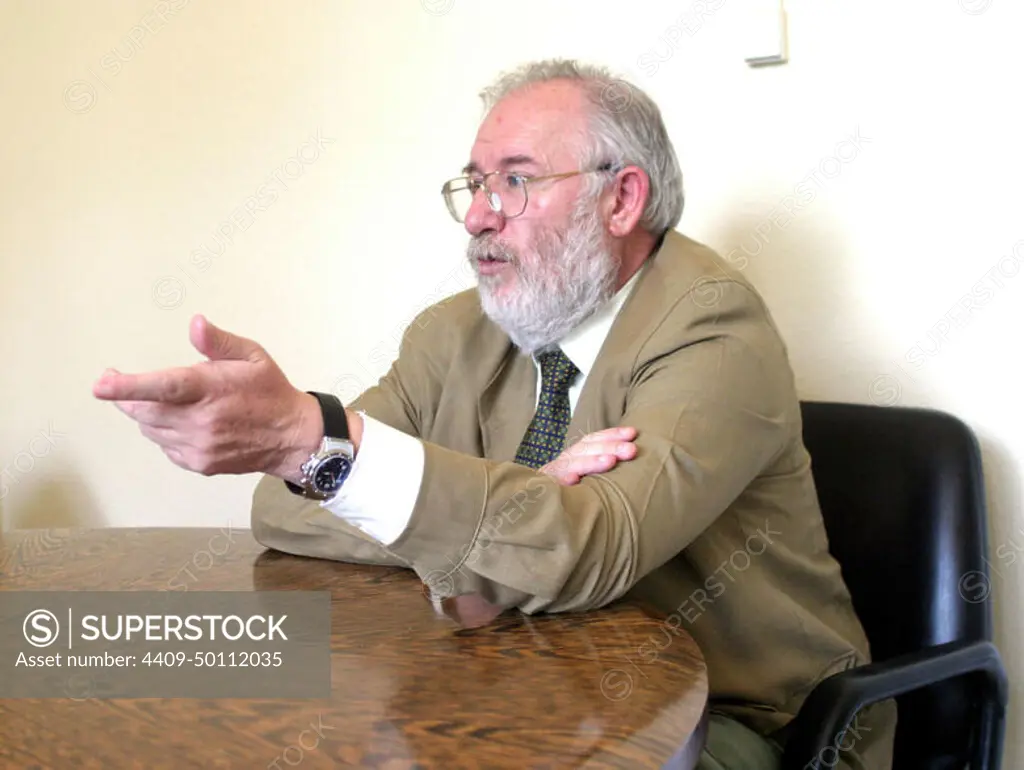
<point>410,689</point>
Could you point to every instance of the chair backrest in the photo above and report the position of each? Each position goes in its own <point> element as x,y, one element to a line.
<point>902,495</point>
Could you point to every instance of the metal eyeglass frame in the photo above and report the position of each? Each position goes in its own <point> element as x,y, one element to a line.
<point>492,197</point>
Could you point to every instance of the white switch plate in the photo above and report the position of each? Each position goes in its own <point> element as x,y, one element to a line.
<point>764,32</point>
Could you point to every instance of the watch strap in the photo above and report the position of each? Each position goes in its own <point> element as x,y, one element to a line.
<point>335,419</point>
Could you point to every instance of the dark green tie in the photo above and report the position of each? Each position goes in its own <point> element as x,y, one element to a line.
<point>543,440</point>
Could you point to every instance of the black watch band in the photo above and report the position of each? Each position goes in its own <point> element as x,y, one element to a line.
<point>335,420</point>
<point>335,424</point>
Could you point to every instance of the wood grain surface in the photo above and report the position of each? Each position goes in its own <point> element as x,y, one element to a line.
<point>410,688</point>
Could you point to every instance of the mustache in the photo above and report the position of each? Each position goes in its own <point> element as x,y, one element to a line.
<point>479,248</point>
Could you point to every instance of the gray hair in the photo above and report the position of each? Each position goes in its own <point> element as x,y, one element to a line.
<point>625,128</point>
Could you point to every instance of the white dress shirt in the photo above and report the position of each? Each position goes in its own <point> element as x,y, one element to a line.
<point>380,492</point>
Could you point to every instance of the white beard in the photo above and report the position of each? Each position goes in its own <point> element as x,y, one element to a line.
<point>568,276</point>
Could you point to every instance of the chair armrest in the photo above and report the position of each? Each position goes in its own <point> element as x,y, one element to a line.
<point>832,705</point>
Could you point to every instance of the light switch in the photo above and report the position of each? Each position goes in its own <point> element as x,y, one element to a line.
<point>764,33</point>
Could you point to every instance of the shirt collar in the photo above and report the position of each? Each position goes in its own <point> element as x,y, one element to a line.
<point>583,344</point>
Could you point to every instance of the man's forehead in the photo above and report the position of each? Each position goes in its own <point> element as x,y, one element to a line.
<point>539,124</point>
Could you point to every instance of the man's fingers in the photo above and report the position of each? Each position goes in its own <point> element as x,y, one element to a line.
<point>580,464</point>
<point>569,470</point>
<point>624,433</point>
<point>170,386</point>
<point>470,610</point>
<point>219,345</point>
<point>588,464</point>
<point>596,453</point>
<point>624,450</point>
<point>175,456</point>
<point>165,438</point>
<point>133,409</point>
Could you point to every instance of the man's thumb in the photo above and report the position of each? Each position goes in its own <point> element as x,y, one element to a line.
<point>219,345</point>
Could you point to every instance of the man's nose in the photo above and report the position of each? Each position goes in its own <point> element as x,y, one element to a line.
<point>481,217</point>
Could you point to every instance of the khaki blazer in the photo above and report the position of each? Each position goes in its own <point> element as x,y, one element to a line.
<point>715,522</point>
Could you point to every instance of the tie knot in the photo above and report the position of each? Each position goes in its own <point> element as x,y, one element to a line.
<point>556,370</point>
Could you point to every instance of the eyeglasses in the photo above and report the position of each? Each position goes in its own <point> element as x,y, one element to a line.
<point>506,193</point>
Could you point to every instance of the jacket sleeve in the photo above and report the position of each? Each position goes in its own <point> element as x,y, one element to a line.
<point>290,523</point>
<point>710,396</point>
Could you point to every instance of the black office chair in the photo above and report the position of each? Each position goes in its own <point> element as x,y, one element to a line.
<point>902,494</point>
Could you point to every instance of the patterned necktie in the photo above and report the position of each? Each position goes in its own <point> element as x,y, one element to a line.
<point>543,440</point>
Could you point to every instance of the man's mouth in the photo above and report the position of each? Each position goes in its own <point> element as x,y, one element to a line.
<point>491,264</point>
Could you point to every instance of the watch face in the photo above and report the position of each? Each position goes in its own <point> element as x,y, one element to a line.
<point>331,473</point>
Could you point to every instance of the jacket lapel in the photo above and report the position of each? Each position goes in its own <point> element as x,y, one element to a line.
<point>506,402</point>
<point>602,400</point>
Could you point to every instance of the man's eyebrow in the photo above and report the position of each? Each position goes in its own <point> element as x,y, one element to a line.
<point>517,160</point>
<point>508,160</point>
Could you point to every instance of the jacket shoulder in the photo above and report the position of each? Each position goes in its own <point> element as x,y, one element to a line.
<point>694,285</point>
<point>699,316</point>
<point>444,326</point>
<point>688,264</point>
<point>461,308</point>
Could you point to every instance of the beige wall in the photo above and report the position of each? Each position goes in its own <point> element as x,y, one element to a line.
<point>312,138</point>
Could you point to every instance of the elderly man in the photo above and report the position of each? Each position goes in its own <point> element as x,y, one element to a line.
<point>610,411</point>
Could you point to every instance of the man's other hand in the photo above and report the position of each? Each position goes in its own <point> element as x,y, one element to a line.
<point>236,412</point>
<point>594,453</point>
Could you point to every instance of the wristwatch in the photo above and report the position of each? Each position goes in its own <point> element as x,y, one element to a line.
<point>328,467</point>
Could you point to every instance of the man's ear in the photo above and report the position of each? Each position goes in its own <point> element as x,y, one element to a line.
<point>627,197</point>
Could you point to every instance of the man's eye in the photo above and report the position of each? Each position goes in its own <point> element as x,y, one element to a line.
<point>473,185</point>
<point>515,180</point>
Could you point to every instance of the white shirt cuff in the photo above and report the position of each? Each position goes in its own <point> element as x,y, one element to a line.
<point>380,492</point>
